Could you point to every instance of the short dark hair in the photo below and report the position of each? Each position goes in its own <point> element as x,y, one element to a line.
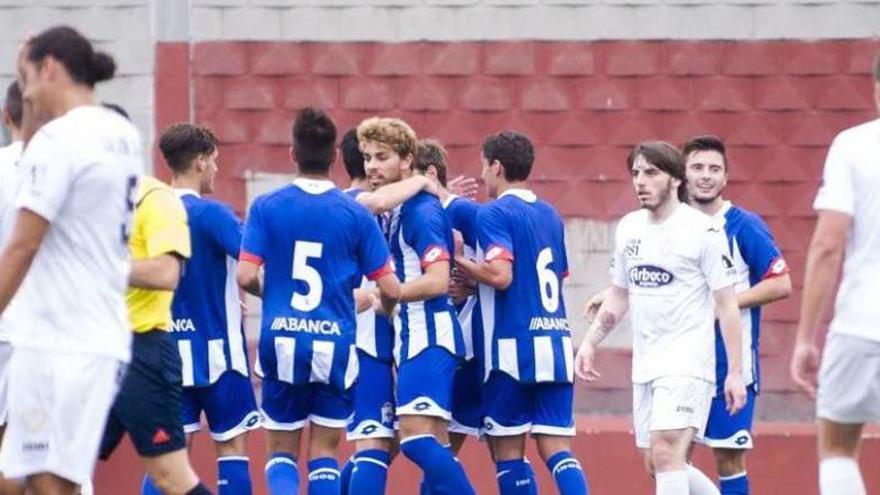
<point>513,150</point>
<point>706,142</point>
<point>352,157</point>
<point>181,144</point>
<point>314,140</point>
<point>75,52</point>
<point>13,104</point>
<point>431,152</point>
<point>664,156</point>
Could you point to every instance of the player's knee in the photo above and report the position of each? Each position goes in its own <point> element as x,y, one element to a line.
<point>649,462</point>
<point>730,462</point>
<point>664,455</point>
<point>234,446</point>
<point>550,445</point>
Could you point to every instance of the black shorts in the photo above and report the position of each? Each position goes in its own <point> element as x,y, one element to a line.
<point>149,401</point>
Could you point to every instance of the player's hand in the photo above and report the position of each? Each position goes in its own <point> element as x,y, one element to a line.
<point>734,393</point>
<point>459,287</point>
<point>583,363</point>
<point>804,367</point>
<point>364,299</point>
<point>459,244</point>
<point>466,187</point>
<point>591,309</point>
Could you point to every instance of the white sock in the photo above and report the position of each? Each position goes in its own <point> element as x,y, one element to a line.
<point>840,476</point>
<point>86,488</point>
<point>699,483</point>
<point>672,483</point>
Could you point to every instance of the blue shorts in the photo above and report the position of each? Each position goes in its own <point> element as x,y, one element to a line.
<point>514,408</point>
<point>228,403</point>
<point>373,400</point>
<point>424,384</point>
<point>289,407</point>
<point>467,399</point>
<point>724,431</point>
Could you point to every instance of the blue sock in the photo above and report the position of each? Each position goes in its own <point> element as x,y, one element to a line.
<point>442,472</point>
<point>148,488</point>
<point>370,472</point>
<point>233,476</point>
<point>737,484</point>
<point>515,477</point>
<point>324,476</point>
<point>281,474</point>
<point>424,486</point>
<point>567,471</point>
<point>345,474</point>
<point>532,477</point>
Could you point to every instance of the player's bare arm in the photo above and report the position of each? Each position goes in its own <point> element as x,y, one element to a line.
<point>390,196</point>
<point>591,308</point>
<point>497,274</point>
<point>824,259</point>
<point>614,307</point>
<point>249,278</point>
<point>16,259</point>
<point>765,292</point>
<point>390,291</point>
<point>434,283</point>
<point>157,273</point>
<point>731,331</point>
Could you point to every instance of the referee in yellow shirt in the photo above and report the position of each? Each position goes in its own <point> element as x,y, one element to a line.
<point>149,400</point>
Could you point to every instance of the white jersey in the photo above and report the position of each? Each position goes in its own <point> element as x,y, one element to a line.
<point>9,169</point>
<point>670,270</point>
<point>79,172</point>
<point>851,185</point>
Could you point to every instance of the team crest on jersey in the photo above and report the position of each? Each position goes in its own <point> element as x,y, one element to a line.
<point>632,248</point>
<point>650,276</point>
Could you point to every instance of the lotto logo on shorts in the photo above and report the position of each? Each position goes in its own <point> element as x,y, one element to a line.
<point>422,406</point>
<point>369,429</point>
<point>742,440</point>
<point>650,276</point>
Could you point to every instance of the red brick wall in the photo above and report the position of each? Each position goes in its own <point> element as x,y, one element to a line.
<point>778,105</point>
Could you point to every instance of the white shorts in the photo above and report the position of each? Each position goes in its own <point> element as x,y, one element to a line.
<point>849,380</point>
<point>5,356</point>
<point>58,407</point>
<point>670,403</point>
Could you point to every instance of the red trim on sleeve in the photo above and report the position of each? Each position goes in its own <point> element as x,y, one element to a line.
<point>434,254</point>
<point>565,274</point>
<point>778,268</point>
<point>250,258</point>
<point>387,268</point>
<point>496,252</point>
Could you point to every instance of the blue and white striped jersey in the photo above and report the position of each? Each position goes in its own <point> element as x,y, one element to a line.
<point>375,333</point>
<point>526,330</point>
<point>463,216</point>
<point>206,313</point>
<point>421,235</point>
<point>316,244</point>
<point>755,258</point>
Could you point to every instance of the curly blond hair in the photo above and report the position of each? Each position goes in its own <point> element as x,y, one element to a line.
<point>390,132</point>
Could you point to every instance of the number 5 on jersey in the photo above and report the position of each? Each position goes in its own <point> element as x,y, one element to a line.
<point>302,271</point>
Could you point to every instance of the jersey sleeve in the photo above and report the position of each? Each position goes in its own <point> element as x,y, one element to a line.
<point>715,261</point>
<point>254,242</point>
<point>759,251</point>
<point>163,224</point>
<point>427,230</point>
<point>226,229</point>
<point>494,234</point>
<point>373,254</point>
<point>464,219</point>
<point>563,252</point>
<point>618,265</point>
<point>49,176</point>
<point>837,190</point>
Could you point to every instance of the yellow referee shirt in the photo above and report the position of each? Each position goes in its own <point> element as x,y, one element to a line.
<point>159,227</point>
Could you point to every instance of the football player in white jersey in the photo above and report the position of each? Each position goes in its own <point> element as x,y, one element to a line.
<point>847,233</point>
<point>670,264</point>
<point>12,115</point>
<point>62,288</point>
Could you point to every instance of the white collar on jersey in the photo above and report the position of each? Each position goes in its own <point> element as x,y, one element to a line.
<point>186,192</point>
<point>523,194</point>
<point>314,186</point>
<point>448,201</point>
